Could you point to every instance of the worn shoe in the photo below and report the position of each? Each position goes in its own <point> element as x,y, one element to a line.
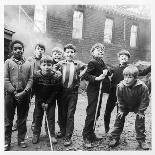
<point>7,147</point>
<point>87,143</point>
<point>60,135</point>
<point>95,138</point>
<point>54,140</point>
<point>144,145</point>
<point>22,144</point>
<point>35,139</point>
<point>67,141</point>
<point>14,128</point>
<point>113,143</point>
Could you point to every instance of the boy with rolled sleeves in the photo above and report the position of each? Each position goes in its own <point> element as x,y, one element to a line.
<point>71,74</point>
<point>123,57</point>
<point>132,96</point>
<point>18,81</point>
<point>46,87</point>
<point>96,73</point>
<point>57,55</point>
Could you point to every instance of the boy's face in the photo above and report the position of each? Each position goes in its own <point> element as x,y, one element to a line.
<point>129,79</point>
<point>46,68</point>
<point>17,51</point>
<point>69,54</point>
<point>123,59</point>
<point>57,56</point>
<point>38,52</point>
<point>98,52</point>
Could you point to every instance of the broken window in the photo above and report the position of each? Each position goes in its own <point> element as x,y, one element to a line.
<point>77,25</point>
<point>133,36</point>
<point>108,30</point>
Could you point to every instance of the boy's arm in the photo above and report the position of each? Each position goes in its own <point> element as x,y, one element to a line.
<point>145,99</point>
<point>7,84</point>
<point>88,73</point>
<point>30,80</point>
<point>120,100</point>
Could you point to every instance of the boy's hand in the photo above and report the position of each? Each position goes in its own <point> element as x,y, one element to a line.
<point>99,78</point>
<point>141,115</point>
<point>19,96</point>
<point>120,114</point>
<point>44,106</point>
<point>105,71</point>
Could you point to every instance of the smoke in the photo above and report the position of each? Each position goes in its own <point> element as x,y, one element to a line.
<point>24,32</point>
<point>62,12</point>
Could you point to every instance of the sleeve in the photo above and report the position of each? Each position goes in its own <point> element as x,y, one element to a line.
<point>145,99</point>
<point>7,84</point>
<point>120,100</point>
<point>30,80</point>
<point>88,74</point>
<point>145,71</point>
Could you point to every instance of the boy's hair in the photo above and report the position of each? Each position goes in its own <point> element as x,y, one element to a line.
<point>97,45</point>
<point>57,49</point>
<point>40,45</point>
<point>131,70</point>
<point>123,52</point>
<point>46,59</point>
<point>70,46</point>
<point>15,42</point>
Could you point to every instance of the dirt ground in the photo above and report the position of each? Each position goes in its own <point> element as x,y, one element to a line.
<point>127,141</point>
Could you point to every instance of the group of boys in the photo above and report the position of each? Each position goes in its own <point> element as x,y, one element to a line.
<point>56,80</point>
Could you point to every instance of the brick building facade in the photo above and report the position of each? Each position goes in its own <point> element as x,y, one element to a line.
<point>60,26</point>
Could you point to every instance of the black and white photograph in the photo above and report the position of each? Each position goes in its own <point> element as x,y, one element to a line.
<point>77,76</point>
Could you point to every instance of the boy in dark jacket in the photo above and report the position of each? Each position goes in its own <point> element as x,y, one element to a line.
<point>46,86</point>
<point>123,57</point>
<point>18,81</point>
<point>71,74</point>
<point>57,55</point>
<point>95,73</point>
<point>132,96</point>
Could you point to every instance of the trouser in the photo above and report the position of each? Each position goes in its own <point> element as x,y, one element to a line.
<point>39,113</point>
<point>69,102</point>
<point>111,102</point>
<point>139,127</point>
<point>92,94</point>
<point>22,113</point>
<point>60,111</point>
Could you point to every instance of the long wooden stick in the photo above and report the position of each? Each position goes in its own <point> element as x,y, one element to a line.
<point>48,132</point>
<point>97,105</point>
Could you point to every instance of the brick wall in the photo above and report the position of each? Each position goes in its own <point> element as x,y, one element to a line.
<point>93,32</point>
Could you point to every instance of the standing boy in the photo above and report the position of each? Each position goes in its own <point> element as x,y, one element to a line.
<point>35,63</point>
<point>17,83</point>
<point>95,73</point>
<point>57,55</point>
<point>70,69</point>
<point>132,96</point>
<point>46,86</point>
<point>123,57</point>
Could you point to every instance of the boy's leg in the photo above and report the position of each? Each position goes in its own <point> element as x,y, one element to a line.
<point>70,115</point>
<point>51,120</point>
<point>22,113</point>
<point>90,114</point>
<point>111,102</point>
<point>60,111</point>
<point>118,128</point>
<point>10,105</point>
<point>140,132</point>
<point>39,113</point>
